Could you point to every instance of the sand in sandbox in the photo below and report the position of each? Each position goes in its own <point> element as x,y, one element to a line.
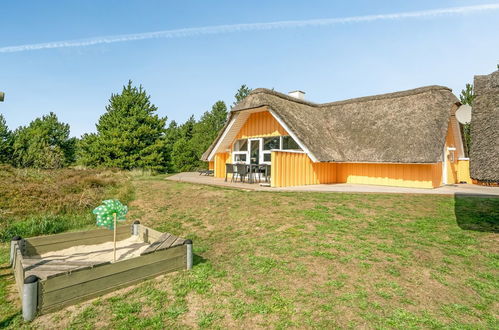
<point>125,249</point>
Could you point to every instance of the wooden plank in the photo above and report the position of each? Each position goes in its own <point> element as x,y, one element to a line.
<point>171,267</point>
<point>40,261</point>
<point>178,241</point>
<point>44,274</point>
<point>32,250</point>
<point>106,283</point>
<point>151,248</point>
<point>19,271</point>
<point>75,278</point>
<point>76,235</point>
<point>171,244</point>
<point>167,243</point>
<point>78,269</point>
<point>148,235</point>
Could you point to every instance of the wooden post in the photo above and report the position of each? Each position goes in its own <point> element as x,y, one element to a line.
<point>15,240</point>
<point>114,214</point>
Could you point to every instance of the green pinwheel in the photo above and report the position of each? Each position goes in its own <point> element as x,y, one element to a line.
<point>106,212</point>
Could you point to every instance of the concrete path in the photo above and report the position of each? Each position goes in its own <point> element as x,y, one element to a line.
<point>458,189</point>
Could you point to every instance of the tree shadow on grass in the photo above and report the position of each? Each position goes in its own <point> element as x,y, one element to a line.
<point>477,212</point>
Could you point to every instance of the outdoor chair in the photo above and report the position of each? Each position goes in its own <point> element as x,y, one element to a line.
<point>229,169</point>
<point>241,170</point>
<point>266,172</point>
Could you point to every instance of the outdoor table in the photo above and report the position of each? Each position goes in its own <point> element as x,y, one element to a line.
<point>253,169</point>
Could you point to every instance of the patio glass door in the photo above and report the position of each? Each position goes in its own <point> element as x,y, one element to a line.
<point>255,151</point>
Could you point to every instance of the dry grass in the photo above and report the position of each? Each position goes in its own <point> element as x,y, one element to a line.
<point>34,202</point>
<point>309,260</point>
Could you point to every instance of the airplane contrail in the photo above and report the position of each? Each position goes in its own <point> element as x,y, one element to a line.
<point>219,29</point>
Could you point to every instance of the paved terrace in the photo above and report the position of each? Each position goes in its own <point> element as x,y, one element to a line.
<point>460,189</point>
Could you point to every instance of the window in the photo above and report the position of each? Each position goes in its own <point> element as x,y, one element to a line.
<point>271,143</point>
<point>241,145</point>
<point>289,144</point>
<point>240,151</point>
<point>268,144</point>
<point>240,158</point>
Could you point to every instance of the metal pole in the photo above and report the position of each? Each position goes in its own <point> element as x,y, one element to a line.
<point>135,227</point>
<point>30,297</point>
<point>15,240</point>
<point>188,244</point>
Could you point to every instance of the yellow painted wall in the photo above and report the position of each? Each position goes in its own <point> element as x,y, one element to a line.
<point>463,171</point>
<point>292,169</point>
<point>398,175</point>
<point>296,169</point>
<point>211,165</point>
<point>260,124</point>
<point>219,164</point>
<point>452,166</point>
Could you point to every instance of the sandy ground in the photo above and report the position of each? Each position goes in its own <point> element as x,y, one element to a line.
<point>125,249</point>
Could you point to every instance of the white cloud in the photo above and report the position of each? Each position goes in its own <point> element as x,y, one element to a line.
<point>219,29</point>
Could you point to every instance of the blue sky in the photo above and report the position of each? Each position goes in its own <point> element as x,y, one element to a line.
<point>186,75</point>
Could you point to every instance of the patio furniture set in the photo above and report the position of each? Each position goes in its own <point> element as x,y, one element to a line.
<point>249,173</point>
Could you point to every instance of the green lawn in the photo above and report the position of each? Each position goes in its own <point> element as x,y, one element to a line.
<point>314,260</point>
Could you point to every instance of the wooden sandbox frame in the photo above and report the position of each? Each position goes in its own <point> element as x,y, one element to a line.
<point>49,285</point>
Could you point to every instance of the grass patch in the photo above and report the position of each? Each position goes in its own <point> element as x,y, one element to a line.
<point>42,202</point>
<point>300,260</point>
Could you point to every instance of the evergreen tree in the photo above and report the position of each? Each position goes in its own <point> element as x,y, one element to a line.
<point>242,92</point>
<point>183,153</point>
<point>467,97</point>
<point>5,141</point>
<point>129,135</point>
<point>171,136</point>
<point>207,129</point>
<point>44,143</point>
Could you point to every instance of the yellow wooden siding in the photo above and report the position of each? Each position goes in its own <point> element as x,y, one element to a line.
<point>219,164</point>
<point>452,165</point>
<point>261,124</point>
<point>398,175</point>
<point>211,165</point>
<point>463,171</point>
<point>296,169</point>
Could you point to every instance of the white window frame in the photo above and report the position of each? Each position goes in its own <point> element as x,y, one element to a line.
<point>261,151</point>
<point>269,151</point>
<point>234,153</point>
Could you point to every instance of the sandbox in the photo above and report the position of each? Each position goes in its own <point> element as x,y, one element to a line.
<point>55,271</point>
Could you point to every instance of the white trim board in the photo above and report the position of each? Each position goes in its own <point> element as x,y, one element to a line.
<point>227,129</point>
<point>290,132</point>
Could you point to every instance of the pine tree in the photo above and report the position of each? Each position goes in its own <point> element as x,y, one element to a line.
<point>467,96</point>
<point>183,154</point>
<point>129,135</point>
<point>44,143</point>
<point>5,141</point>
<point>242,92</point>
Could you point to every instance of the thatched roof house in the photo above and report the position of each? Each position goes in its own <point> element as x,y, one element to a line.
<point>485,129</point>
<point>408,127</point>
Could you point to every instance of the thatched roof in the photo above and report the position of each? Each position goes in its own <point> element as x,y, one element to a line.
<point>402,127</point>
<point>484,156</point>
